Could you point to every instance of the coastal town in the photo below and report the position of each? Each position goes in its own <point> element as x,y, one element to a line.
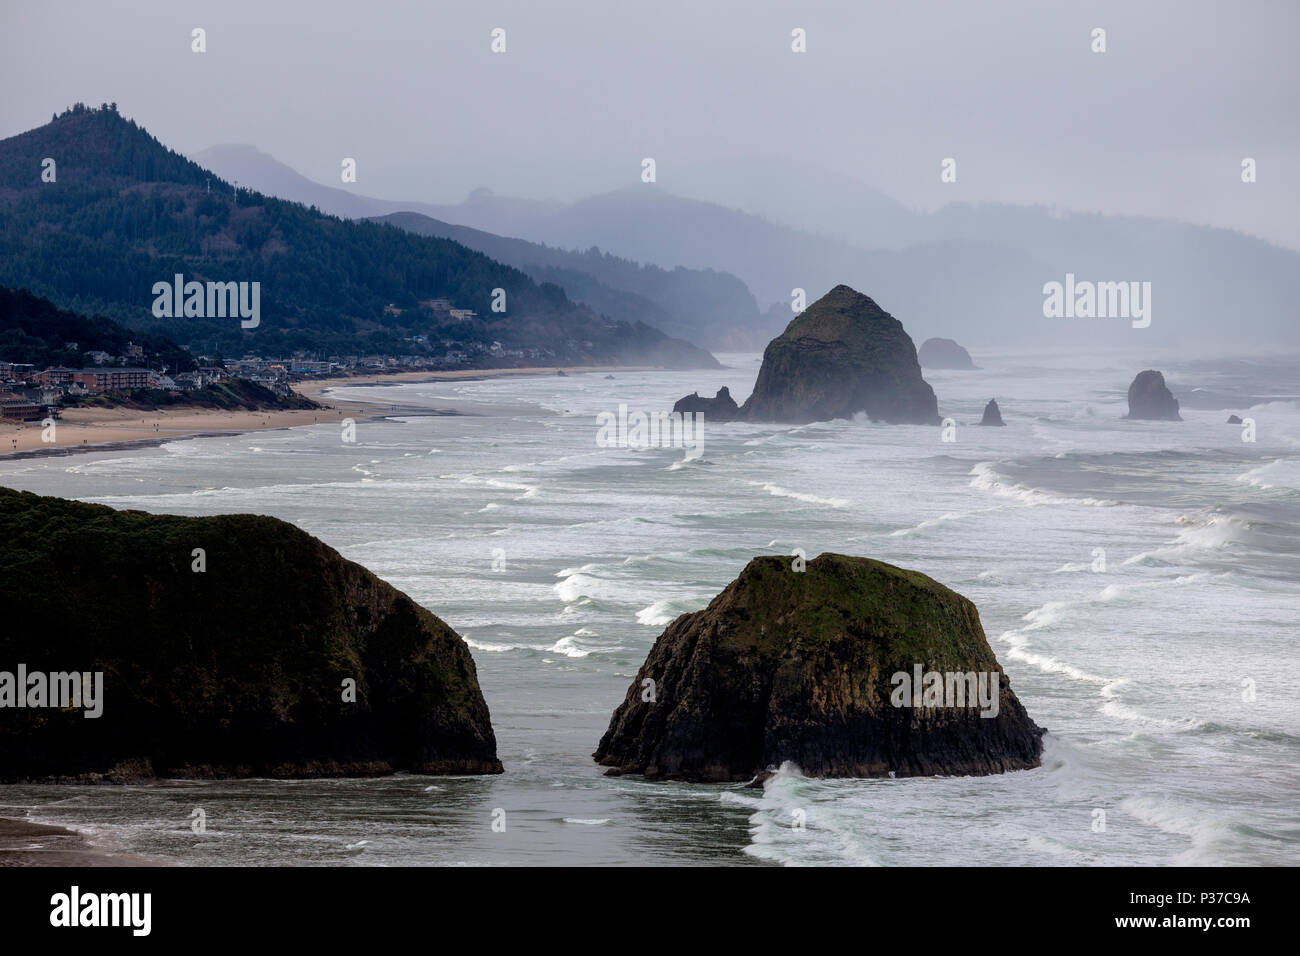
<point>28,393</point>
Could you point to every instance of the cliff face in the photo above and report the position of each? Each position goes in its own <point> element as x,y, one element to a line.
<point>944,353</point>
<point>799,666</point>
<point>840,356</point>
<point>235,670</point>
<point>1149,398</point>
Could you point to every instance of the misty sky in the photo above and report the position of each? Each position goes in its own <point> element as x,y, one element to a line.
<point>1157,125</point>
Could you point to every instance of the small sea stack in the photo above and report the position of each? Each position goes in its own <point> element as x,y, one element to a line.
<point>846,666</point>
<point>722,407</point>
<point>992,414</point>
<point>1149,399</point>
<point>944,354</point>
<point>1235,420</point>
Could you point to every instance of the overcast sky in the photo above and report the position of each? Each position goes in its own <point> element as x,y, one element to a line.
<point>1156,125</point>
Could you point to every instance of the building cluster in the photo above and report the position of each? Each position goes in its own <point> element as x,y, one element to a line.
<point>30,394</point>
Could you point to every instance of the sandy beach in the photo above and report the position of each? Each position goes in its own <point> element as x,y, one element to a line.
<point>101,429</point>
<point>313,388</point>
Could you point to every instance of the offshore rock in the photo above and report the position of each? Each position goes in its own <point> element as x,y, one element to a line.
<point>1150,399</point>
<point>224,644</point>
<point>944,353</point>
<point>801,666</point>
<point>841,356</point>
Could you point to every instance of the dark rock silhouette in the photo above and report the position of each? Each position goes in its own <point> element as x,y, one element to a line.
<point>841,356</point>
<point>234,670</point>
<point>722,407</point>
<point>1150,399</point>
<point>944,353</point>
<point>804,666</point>
<point>1234,420</point>
<point>992,414</point>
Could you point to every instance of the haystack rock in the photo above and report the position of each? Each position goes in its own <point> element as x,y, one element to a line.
<point>992,414</point>
<point>1150,399</point>
<point>230,646</point>
<point>840,356</point>
<point>849,668</point>
<point>944,353</point>
<point>1235,420</point>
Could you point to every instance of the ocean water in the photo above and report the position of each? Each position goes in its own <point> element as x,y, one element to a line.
<point>1139,582</point>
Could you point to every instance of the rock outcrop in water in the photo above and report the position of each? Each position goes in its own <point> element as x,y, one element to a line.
<point>1150,399</point>
<point>722,407</point>
<point>841,356</point>
<point>992,414</point>
<point>224,645</point>
<point>1235,420</point>
<point>800,666</point>
<point>944,353</point>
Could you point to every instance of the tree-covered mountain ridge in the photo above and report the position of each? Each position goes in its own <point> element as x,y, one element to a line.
<point>117,212</point>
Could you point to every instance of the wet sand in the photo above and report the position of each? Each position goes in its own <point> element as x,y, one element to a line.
<point>36,844</point>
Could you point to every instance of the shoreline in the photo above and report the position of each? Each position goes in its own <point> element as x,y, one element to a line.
<point>23,843</point>
<point>87,430</point>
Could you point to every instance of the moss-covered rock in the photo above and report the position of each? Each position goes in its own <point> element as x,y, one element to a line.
<point>235,670</point>
<point>800,666</point>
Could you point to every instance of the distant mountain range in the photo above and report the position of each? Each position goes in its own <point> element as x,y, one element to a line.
<point>708,307</point>
<point>971,272</point>
<point>122,213</point>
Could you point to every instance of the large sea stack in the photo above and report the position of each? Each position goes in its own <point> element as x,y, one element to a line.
<point>225,644</point>
<point>800,666</point>
<point>1149,398</point>
<point>840,356</point>
<point>944,353</point>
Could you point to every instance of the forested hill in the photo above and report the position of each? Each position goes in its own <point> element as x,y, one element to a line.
<point>35,331</point>
<point>123,212</point>
<point>712,308</point>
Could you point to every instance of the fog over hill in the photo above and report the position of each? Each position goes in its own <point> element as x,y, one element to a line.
<point>714,309</point>
<point>974,272</point>
<point>126,213</point>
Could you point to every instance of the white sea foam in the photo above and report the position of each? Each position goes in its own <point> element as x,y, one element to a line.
<point>658,614</point>
<point>985,477</point>
<point>779,492</point>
